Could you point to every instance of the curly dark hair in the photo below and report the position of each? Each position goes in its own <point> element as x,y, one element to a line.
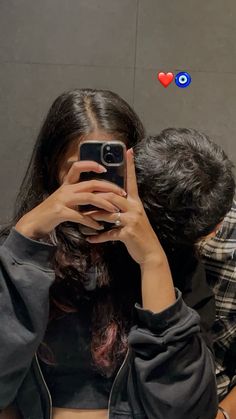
<point>73,115</point>
<point>186,183</point>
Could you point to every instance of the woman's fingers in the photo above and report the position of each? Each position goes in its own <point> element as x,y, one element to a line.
<point>111,235</point>
<point>109,218</point>
<point>119,202</point>
<point>79,167</point>
<point>88,198</point>
<point>80,218</point>
<point>97,186</point>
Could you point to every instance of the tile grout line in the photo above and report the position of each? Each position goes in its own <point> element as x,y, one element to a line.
<point>64,64</point>
<point>134,67</point>
<point>135,51</point>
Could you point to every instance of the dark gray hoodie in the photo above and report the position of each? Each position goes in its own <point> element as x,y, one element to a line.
<point>168,372</point>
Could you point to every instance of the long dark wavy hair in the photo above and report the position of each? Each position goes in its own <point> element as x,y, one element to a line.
<point>73,115</point>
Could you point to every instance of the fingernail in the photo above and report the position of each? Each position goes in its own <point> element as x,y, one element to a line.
<point>102,169</point>
<point>132,151</point>
<point>114,209</point>
<point>123,193</point>
<point>101,227</point>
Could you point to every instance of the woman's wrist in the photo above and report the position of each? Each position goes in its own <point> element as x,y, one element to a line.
<point>154,260</point>
<point>158,291</point>
<point>27,230</point>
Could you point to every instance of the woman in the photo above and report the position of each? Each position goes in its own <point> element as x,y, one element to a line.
<point>119,340</point>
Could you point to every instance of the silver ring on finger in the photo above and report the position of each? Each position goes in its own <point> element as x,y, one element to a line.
<point>117,221</point>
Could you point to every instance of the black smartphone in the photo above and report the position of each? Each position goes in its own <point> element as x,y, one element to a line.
<point>111,155</point>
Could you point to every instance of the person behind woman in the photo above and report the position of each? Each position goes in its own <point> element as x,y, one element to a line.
<point>187,186</point>
<point>94,330</point>
<point>219,258</point>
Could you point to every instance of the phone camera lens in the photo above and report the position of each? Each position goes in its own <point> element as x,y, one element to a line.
<point>109,158</point>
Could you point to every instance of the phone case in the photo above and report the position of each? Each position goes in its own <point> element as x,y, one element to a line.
<point>116,172</point>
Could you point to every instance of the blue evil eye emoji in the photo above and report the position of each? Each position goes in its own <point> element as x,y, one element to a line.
<point>182,79</point>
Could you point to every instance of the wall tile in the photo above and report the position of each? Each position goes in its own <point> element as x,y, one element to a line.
<point>208,104</point>
<point>84,32</point>
<point>187,35</point>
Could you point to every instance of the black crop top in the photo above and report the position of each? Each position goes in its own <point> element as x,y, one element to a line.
<point>74,382</point>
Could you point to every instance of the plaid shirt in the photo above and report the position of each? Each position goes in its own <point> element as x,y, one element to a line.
<point>219,257</point>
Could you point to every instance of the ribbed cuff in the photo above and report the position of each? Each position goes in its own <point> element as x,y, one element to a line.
<point>158,322</point>
<point>28,250</point>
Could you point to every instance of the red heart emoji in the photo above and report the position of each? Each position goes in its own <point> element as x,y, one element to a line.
<point>165,78</point>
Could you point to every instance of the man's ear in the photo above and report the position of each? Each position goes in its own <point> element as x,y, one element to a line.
<point>214,231</point>
<point>218,227</point>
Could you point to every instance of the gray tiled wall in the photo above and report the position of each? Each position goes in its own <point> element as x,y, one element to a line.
<point>47,47</point>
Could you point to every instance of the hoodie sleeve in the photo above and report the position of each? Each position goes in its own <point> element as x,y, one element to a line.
<point>173,367</point>
<point>25,278</point>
